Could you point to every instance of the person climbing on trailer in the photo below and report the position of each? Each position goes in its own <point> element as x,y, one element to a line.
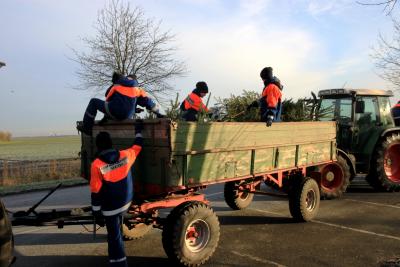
<point>120,104</point>
<point>112,189</point>
<point>193,103</point>
<point>271,98</point>
<point>396,114</point>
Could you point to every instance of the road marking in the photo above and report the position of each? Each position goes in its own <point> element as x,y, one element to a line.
<point>358,230</point>
<point>373,203</point>
<point>257,259</point>
<point>33,230</point>
<point>339,226</point>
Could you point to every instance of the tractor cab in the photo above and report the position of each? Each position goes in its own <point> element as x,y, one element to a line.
<point>363,115</point>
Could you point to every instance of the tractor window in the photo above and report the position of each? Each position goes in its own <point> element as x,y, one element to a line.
<point>384,111</point>
<point>332,109</point>
<point>370,116</point>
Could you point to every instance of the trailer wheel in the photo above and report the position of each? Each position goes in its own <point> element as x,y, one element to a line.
<point>236,199</point>
<point>385,166</point>
<point>191,234</point>
<point>335,178</point>
<point>304,200</point>
<point>6,237</point>
<point>135,232</point>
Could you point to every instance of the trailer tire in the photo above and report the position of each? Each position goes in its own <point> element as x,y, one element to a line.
<point>304,200</point>
<point>6,238</point>
<point>191,234</point>
<point>235,199</point>
<point>385,166</point>
<point>335,178</point>
<point>136,232</point>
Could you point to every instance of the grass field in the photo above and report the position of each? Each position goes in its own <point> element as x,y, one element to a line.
<point>40,148</point>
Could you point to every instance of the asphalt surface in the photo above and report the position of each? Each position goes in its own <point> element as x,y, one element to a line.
<point>361,229</point>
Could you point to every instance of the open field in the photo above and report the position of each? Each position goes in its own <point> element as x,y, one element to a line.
<point>33,161</point>
<point>40,148</point>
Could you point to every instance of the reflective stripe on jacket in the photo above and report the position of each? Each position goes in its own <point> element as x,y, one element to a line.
<point>131,92</point>
<point>193,101</point>
<point>111,184</point>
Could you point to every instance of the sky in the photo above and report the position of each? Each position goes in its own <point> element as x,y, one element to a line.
<point>311,45</point>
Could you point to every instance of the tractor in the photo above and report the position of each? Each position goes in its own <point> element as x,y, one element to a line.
<point>367,140</point>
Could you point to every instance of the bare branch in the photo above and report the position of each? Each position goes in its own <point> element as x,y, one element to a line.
<point>127,42</point>
<point>388,5</point>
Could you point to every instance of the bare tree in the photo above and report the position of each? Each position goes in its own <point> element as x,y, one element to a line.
<point>129,43</point>
<point>387,56</point>
<point>388,5</point>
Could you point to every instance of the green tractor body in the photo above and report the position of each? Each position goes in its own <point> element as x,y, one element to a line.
<point>366,134</point>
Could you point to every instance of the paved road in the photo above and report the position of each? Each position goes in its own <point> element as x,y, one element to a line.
<point>362,229</point>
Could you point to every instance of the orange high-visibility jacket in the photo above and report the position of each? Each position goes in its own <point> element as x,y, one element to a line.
<point>193,101</point>
<point>272,95</point>
<point>111,183</point>
<point>131,92</point>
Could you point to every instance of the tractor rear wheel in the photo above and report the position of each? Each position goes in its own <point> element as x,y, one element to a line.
<point>385,167</point>
<point>191,234</point>
<point>335,178</point>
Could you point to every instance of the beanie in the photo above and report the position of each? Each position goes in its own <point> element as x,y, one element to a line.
<point>266,73</point>
<point>103,141</point>
<point>202,87</point>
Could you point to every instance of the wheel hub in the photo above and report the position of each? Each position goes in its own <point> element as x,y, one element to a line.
<point>311,200</point>
<point>197,235</point>
<point>392,163</point>
<point>330,176</point>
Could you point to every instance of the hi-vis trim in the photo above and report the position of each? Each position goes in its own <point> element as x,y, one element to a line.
<point>109,167</point>
<point>118,260</point>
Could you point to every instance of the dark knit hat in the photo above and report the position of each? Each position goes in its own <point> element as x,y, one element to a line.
<point>202,87</point>
<point>103,141</point>
<point>266,73</point>
<point>115,77</point>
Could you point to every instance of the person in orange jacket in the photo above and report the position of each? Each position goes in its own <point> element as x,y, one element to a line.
<point>396,114</point>
<point>193,103</point>
<point>111,189</point>
<point>270,102</point>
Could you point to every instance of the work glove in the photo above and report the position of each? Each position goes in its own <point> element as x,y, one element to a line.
<point>253,104</point>
<point>139,126</point>
<point>99,218</point>
<point>270,119</point>
<point>160,116</point>
<point>138,110</point>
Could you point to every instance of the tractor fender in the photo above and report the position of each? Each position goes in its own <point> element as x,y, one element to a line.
<point>350,159</point>
<point>390,130</point>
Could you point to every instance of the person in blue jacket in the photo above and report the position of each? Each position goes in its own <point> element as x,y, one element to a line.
<point>111,187</point>
<point>122,97</point>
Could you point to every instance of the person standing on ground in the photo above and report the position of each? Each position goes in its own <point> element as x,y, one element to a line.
<point>193,104</point>
<point>111,189</point>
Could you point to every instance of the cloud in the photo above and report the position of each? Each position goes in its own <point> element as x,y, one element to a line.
<point>253,7</point>
<point>321,7</point>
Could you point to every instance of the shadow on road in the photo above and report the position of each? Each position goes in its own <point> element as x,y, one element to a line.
<point>87,261</point>
<point>252,220</point>
<point>57,239</point>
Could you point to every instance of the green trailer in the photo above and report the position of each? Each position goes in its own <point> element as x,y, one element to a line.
<point>179,159</point>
